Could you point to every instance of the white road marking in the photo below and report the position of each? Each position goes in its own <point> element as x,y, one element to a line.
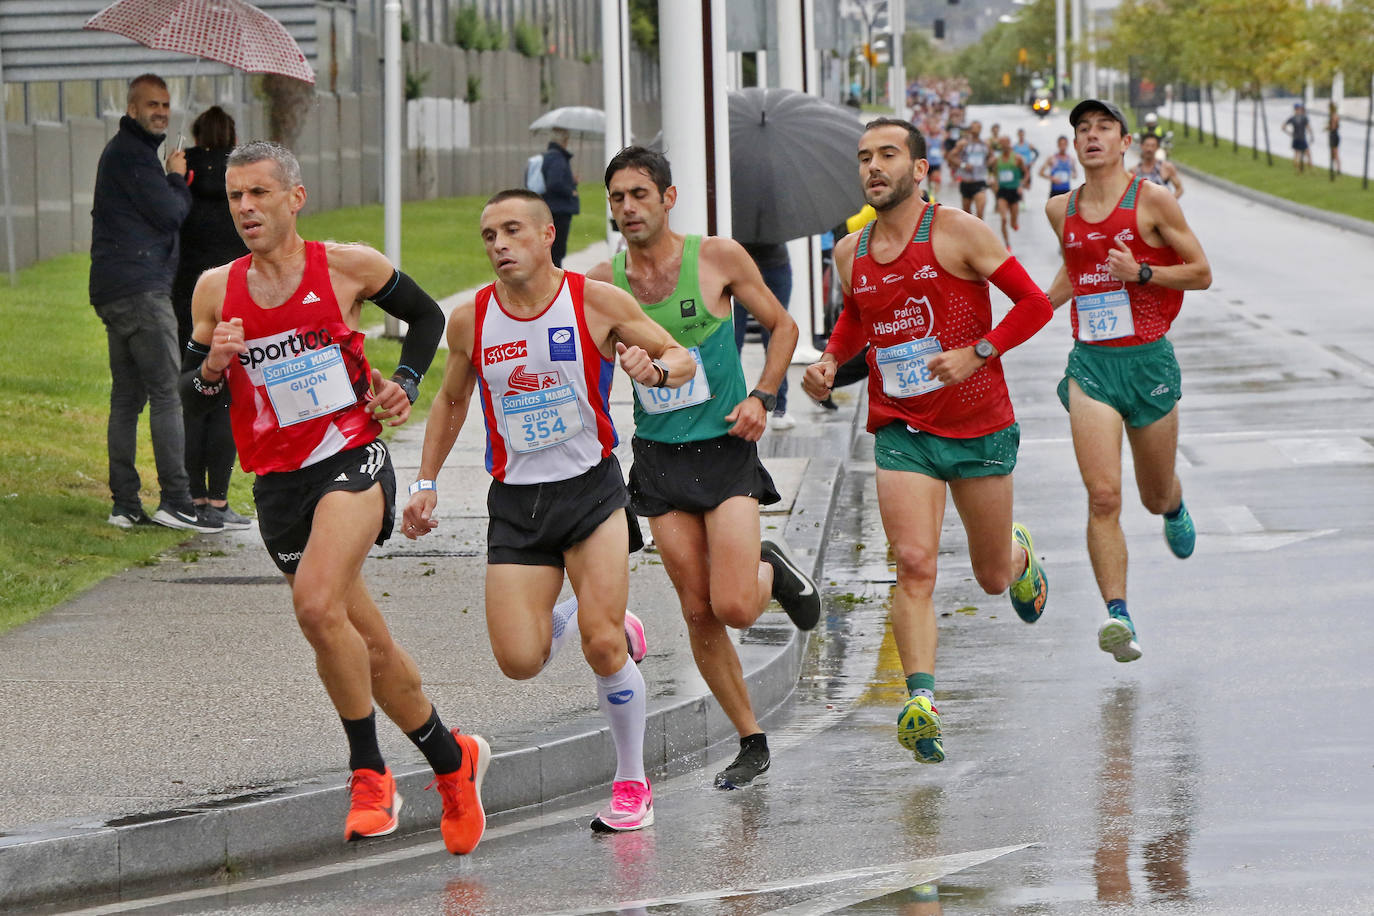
<point>897,875</point>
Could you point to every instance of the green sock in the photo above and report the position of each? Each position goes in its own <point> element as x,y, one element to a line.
<point>921,684</point>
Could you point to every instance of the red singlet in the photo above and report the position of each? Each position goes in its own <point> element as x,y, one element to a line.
<point>299,394</point>
<point>910,309</point>
<point>1152,308</point>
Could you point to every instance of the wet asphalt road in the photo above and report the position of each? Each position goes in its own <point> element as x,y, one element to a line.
<point>1230,771</point>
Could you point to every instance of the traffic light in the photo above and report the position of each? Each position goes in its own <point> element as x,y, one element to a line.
<point>939,28</point>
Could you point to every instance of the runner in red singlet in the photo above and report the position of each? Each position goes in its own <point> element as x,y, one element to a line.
<point>917,293</point>
<point>277,332</point>
<point>1128,256</point>
<point>538,347</point>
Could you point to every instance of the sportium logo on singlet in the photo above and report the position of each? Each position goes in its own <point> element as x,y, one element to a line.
<point>283,346</point>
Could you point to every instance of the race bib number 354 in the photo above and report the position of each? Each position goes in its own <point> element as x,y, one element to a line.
<point>539,419</point>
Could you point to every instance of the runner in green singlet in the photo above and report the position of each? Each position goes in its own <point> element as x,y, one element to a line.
<point>696,473</point>
<point>1013,176</point>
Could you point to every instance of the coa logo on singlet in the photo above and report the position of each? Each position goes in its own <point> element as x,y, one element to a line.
<point>521,379</point>
<point>913,319</point>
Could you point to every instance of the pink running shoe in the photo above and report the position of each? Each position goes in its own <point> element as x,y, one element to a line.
<point>632,807</point>
<point>634,638</point>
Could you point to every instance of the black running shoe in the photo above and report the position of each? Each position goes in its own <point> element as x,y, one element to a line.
<point>129,518</point>
<point>187,519</point>
<point>746,769</point>
<point>793,588</point>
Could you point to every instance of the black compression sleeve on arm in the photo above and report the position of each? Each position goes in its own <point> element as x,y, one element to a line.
<point>401,296</point>
<point>198,396</point>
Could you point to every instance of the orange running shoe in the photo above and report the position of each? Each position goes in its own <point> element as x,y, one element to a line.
<point>464,821</point>
<point>376,803</point>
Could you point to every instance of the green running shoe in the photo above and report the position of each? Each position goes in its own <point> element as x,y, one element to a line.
<point>1029,593</point>
<point>918,729</point>
<point>1180,533</point>
<point>1117,636</point>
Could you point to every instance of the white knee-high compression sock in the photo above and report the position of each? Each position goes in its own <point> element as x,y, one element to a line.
<point>564,627</point>
<point>622,701</point>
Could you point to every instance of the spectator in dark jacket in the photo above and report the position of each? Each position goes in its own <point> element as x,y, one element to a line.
<point>208,239</point>
<point>560,191</point>
<point>138,210</point>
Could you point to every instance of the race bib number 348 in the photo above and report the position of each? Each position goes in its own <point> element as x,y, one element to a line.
<point>903,368</point>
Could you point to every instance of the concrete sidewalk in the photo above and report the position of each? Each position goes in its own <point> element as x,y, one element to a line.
<point>168,724</point>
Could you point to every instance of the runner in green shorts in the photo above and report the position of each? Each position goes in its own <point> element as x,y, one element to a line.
<point>898,447</point>
<point>1141,383</point>
<point>1129,255</point>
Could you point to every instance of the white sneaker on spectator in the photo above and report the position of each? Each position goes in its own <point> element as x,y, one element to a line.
<point>781,420</point>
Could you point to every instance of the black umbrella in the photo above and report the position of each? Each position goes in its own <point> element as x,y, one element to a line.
<point>793,165</point>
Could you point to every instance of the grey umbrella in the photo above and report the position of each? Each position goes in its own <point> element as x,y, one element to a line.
<point>793,165</point>
<point>573,118</point>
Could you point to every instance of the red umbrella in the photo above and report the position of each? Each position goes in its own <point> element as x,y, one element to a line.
<point>232,32</point>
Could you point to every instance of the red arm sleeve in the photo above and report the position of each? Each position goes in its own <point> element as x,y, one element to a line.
<point>847,338</point>
<point>1030,310</point>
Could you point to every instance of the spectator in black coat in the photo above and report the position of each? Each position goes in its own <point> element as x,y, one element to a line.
<point>208,239</point>
<point>560,191</point>
<point>135,221</point>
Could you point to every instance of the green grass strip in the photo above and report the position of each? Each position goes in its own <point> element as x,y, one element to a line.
<point>1313,187</point>
<point>54,371</point>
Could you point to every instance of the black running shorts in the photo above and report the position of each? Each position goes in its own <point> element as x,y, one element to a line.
<point>970,189</point>
<point>1010,195</point>
<point>286,500</point>
<point>533,524</point>
<point>696,476</point>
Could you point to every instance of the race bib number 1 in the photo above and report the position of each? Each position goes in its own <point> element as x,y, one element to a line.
<point>539,419</point>
<point>664,400</point>
<point>1104,316</point>
<point>903,368</point>
<point>308,386</point>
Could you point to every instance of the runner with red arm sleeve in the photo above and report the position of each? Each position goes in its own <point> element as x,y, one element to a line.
<point>917,293</point>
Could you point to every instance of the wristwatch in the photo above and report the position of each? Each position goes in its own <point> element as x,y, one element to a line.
<point>1145,274</point>
<point>984,349</point>
<point>408,386</point>
<point>770,401</point>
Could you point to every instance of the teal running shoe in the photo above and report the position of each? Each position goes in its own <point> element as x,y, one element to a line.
<point>1180,533</point>
<point>1029,593</point>
<point>918,729</point>
<point>1117,637</point>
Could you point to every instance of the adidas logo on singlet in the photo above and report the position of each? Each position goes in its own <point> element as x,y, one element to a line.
<point>309,298</point>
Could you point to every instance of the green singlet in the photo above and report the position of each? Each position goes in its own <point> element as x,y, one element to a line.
<point>1009,173</point>
<point>697,410</point>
